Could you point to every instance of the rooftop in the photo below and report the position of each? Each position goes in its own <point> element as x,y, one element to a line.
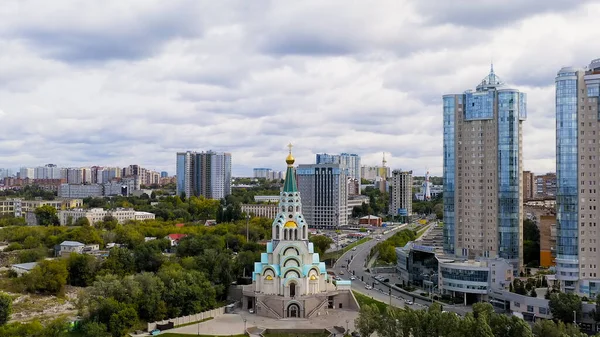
<point>25,266</point>
<point>72,244</point>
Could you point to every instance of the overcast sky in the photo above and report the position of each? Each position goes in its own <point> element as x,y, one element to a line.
<point>118,82</point>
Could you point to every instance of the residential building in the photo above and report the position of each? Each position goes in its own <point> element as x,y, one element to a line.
<point>5,173</point>
<point>266,198</point>
<point>175,238</point>
<point>325,194</point>
<point>400,189</point>
<point>356,201</point>
<point>545,186</point>
<point>261,210</point>
<point>68,247</point>
<point>577,172</point>
<point>23,268</point>
<point>262,172</point>
<point>353,187</point>
<point>483,199</point>
<point>528,185</point>
<point>49,171</point>
<point>350,161</point>
<point>164,174</point>
<point>204,173</point>
<point>372,173</point>
<point>27,172</point>
<point>80,191</point>
<point>20,207</point>
<point>95,215</point>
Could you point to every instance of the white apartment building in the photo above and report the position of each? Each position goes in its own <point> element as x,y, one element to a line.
<point>80,191</point>
<point>95,215</point>
<point>261,210</point>
<point>19,207</point>
<point>400,188</point>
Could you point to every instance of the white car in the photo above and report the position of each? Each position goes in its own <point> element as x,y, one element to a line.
<point>409,302</point>
<point>354,248</point>
<point>352,278</point>
<point>368,287</point>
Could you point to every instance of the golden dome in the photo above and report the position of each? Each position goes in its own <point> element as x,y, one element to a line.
<point>313,277</point>
<point>290,224</point>
<point>269,278</point>
<point>290,159</point>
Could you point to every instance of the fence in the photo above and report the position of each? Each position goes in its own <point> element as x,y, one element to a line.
<point>189,319</point>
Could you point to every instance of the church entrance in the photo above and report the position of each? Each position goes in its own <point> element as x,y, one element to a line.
<point>292,289</point>
<point>293,310</point>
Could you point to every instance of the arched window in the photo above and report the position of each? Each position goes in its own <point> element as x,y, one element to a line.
<point>304,232</point>
<point>291,209</point>
<point>276,232</point>
<point>297,208</point>
<point>285,234</point>
<point>296,234</point>
<point>283,208</point>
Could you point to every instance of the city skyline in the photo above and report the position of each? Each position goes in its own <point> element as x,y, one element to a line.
<point>81,89</point>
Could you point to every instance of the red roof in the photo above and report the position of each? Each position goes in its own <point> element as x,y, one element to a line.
<point>176,237</point>
<point>179,225</point>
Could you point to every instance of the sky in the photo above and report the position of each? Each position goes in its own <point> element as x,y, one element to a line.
<point>115,82</point>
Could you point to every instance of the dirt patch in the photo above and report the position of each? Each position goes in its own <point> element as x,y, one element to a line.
<point>30,306</point>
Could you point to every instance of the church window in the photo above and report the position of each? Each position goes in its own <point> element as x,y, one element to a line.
<point>290,216</point>
<point>283,208</point>
<point>285,231</point>
<point>295,234</point>
<point>290,208</point>
<point>304,232</point>
<point>276,232</point>
<point>297,208</point>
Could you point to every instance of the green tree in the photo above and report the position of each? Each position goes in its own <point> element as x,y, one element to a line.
<point>48,277</point>
<point>47,216</point>
<point>597,309</point>
<point>93,329</point>
<point>562,306</point>
<point>56,328</point>
<point>120,261</point>
<point>531,243</point>
<point>83,221</point>
<point>82,269</point>
<point>367,320</point>
<point>120,322</point>
<point>5,308</point>
<point>150,304</point>
<point>321,243</point>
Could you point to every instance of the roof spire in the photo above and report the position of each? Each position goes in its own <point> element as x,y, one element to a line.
<point>492,66</point>
<point>290,159</point>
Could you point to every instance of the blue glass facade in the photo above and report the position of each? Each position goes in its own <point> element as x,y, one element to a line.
<point>180,173</point>
<point>449,170</point>
<point>509,170</point>
<point>479,105</point>
<point>567,216</point>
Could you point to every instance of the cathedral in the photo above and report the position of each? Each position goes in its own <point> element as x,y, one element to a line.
<point>290,281</point>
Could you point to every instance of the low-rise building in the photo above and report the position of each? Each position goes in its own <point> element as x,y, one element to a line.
<point>174,238</point>
<point>80,191</point>
<point>266,198</point>
<point>19,207</point>
<point>23,268</point>
<point>370,220</point>
<point>356,201</point>
<point>68,247</point>
<point>261,210</point>
<point>95,215</point>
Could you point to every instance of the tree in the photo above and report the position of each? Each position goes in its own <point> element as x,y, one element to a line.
<point>533,293</point>
<point>49,277</point>
<point>46,216</point>
<point>321,243</point>
<point>83,221</point>
<point>5,308</point>
<point>562,306</point>
<point>366,322</point>
<point>122,321</point>
<point>531,243</point>
<point>82,269</point>
<point>120,261</point>
<point>94,329</point>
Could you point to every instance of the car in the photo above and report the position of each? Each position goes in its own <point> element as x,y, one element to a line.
<point>354,248</point>
<point>352,278</point>
<point>341,272</point>
<point>368,287</point>
<point>409,302</point>
<point>251,311</point>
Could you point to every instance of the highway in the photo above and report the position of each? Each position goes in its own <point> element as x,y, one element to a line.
<point>380,292</point>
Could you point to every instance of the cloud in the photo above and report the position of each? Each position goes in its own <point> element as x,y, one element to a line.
<point>134,82</point>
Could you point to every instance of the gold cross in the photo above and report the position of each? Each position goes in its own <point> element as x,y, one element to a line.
<point>290,147</point>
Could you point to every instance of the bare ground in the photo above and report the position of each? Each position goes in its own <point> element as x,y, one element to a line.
<point>27,307</point>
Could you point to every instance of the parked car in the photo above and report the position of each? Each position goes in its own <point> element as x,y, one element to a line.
<point>352,278</point>
<point>409,302</point>
<point>354,248</point>
<point>368,287</point>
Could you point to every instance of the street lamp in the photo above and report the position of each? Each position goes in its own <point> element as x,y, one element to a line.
<point>347,321</point>
<point>245,320</point>
<point>574,317</point>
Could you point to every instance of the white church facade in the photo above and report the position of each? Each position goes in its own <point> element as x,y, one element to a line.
<point>290,281</point>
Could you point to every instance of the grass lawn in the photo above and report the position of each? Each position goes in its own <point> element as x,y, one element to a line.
<point>337,253</point>
<point>364,300</point>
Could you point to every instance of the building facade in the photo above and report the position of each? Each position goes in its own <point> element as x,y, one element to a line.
<point>95,215</point>
<point>290,281</point>
<point>528,185</point>
<point>205,174</point>
<point>20,207</point>
<point>577,172</point>
<point>545,186</point>
<point>80,191</point>
<point>261,210</point>
<point>350,161</point>
<point>400,189</point>
<point>483,206</point>
<point>325,192</point>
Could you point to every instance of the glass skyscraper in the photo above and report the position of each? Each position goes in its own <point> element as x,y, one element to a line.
<point>483,198</point>
<point>577,175</point>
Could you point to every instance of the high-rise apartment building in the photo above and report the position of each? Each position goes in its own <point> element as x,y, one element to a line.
<point>528,185</point>
<point>349,160</point>
<point>204,173</point>
<point>400,188</point>
<point>324,193</point>
<point>483,200</point>
<point>27,172</point>
<point>578,173</point>
<point>545,186</point>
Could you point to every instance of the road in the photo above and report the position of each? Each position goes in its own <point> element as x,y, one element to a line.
<point>379,292</point>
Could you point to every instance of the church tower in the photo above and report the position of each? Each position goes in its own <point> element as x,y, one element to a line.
<point>289,224</point>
